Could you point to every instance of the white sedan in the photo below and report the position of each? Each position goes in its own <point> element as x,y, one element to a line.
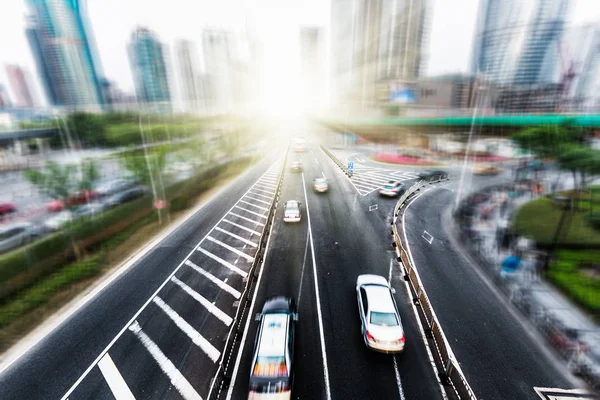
<point>381,326</point>
<point>292,211</point>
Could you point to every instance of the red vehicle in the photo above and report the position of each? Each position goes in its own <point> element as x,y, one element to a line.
<point>7,208</point>
<point>76,198</point>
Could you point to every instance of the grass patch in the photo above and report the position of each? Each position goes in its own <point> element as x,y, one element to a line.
<point>539,219</point>
<point>568,273</point>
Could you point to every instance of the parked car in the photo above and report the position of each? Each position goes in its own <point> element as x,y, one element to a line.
<point>75,198</point>
<point>17,235</point>
<point>392,189</point>
<point>272,370</point>
<point>320,185</point>
<point>430,173</point>
<point>296,166</point>
<point>125,196</point>
<point>7,209</point>
<point>89,210</point>
<point>486,169</point>
<point>113,186</point>
<point>380,321</point>
<point>292,211</point>
<point>58,221</point>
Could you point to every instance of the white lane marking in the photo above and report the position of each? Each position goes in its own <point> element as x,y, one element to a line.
<point>249,318</point>
<point>564,394</point>
<point>375,182</point>
<point>223,262</point>
<point>266,178</point>
<point>390,273</point>
<point>247,219</point>
<point>177,379</point>
<point>233,235</point>
<point>114,379</point>
<point>366,188</point>
<point>264,191</point>
<point>398,381</point>
<point>242,227</point>
<point>232,249</point>
<point>322,173</point>
<point>222,284</point>
<point>317,161</point>
<point>302,273</point>
<point>199,340</point>
<point>414,307</point>
<point>254,205</point>
<point>318,297</point>
<point>373,207</point>
<point>427,236</point>
<point>266,185</point>
<point>139,311</point>
<point>261,195</point>
<point>211,308</point>
<point>259,200</point>
<point>251,212</point>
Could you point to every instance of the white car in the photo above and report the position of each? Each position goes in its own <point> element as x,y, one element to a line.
<point>57,222</point>
<point>320,185</point>
<point>392,189</point>
<point>292,211</point>
<point>381,326</point>
<point>17,235</point>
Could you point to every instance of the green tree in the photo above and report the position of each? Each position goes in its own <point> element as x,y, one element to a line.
<point>56,180</point>
<point>89,128</point>
<point>145,168</point>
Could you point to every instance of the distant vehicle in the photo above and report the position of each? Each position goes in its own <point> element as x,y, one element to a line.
<point>320,185</point>
<point>292,211</point>
<point>486,169</point>
<point>125,196</point>
<point>7,209</point>
<point>75,198</point>
<point>272,370</point>
<point>296,166</point>
<point>380,321</point>
<point>430,173</point>
<point>113,186</point>
<point>17,235</point>
<point>392,189</point>
<point>58,221</point>
<point>299,146</point>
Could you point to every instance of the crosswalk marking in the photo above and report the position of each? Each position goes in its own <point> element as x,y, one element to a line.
<point>242,227</point>
<point>177,379</point>
<point>233,235</point>
<point>214,279</point>
<point>223,262</point>
<point>199,340</point>
<point>210,307</point>
<point>367,180</point>
<point>114,379</point>
<point>232,249</point>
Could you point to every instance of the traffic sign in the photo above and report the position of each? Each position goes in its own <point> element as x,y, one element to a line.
<point>350,164</point>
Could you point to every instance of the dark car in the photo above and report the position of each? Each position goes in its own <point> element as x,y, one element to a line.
<point>125,196</point>
<point>272,370</point>
<point>431,173</point>
<point>296,166</point>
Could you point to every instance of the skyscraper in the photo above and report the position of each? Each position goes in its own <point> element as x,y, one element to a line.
<point>517,41</point>
<point>63,49</point>
<point>581,54</point>
<point>4,97</point>
<point>189,76</point>
<point>21,86</point>
<point>219,49</point>
<point>312,64</point>
<point>148,66</point>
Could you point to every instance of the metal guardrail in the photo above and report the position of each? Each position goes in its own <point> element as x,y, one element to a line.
<point>223,376</point>
<point>450,372</point>
<point>336,160</point>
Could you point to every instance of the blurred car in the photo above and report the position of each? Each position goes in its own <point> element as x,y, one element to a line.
<point>296,166</point>
<point>430,173</point>
<point>58,221</point>
<point>272,370</point>
<point>17,235</point>
<point>75,198</point>
<point>113,186</point>
<point>6,209</point>
<point>292,211</point>
<point>380,321</point>
<point>486,169</point>
<point>125,196</point>
<point>299,146</point>
<point>89,210</point>
<point>392,189</point>
<point>320,185</point>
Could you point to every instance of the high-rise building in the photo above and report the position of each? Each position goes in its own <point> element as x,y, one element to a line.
<point>148,66</point>
<point>312,65</point>
<point>189,76</point>
<point>21,86</point>
<point>4,97</point>
<point>580,55</point>
<point>219,49</point>
<point>517,41</point>
<point>64,51</point>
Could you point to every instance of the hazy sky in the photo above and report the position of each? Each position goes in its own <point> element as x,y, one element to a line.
<point>277,21</point>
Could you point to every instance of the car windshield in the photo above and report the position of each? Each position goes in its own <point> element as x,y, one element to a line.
<point>320,181</point>
<point>388,186</point>
<point>384,319</point>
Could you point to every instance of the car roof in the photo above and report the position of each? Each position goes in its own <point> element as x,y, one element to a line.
<point>379,298</point>
<point>273,335</point>
<point>291,203</point>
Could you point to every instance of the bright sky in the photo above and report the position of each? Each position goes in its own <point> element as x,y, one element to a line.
<point>276,22</point>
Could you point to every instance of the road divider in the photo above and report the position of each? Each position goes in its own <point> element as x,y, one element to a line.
<point>449,370</point>
<point>336,160</point>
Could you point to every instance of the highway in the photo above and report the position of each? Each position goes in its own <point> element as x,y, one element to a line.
<point>158,330</point>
